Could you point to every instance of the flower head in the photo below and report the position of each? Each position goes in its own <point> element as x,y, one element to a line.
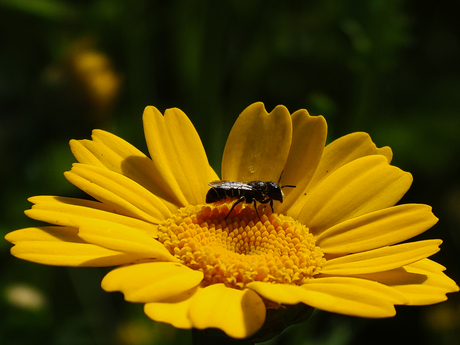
<point>333,243</point>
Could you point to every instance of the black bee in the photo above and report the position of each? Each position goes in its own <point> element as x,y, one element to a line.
<point>263,192</point>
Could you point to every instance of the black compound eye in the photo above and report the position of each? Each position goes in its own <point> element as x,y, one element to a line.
<point>273,186</point>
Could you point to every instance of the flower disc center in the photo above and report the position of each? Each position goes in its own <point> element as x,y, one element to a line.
<point>242,248</point>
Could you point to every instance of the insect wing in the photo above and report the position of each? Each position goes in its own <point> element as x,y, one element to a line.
<point>228,185</point>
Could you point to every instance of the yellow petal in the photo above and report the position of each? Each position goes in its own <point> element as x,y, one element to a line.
<point>123,238</point>
<point>364,185</point>
<point>381,259</point>
<point>178,155</point>
<point>338,153</point>
<point>377,229</point>
<point>422,282</point>
<point>258,145</point>
<point>346,149</point>
<point>308,139</point>
<point>239,313</point>
<point>61,246</point>
<point>109,230</point>
<point>356,297</point>
<point>152,281</point>
<point>343,295</point>
<point>111,152</point>
<point>279,293</point>
<point>71,212</point>
<point>174,311</point>
<point>91,153</point>
<point>124,195</point>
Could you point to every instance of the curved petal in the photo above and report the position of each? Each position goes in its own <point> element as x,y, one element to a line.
<point>61,246</point>
<point>91,153</point>
<point>343,295</point>
<point>335,155</point>
<point>123,238</point>
<point>377,229</point>
<point>178,156</point>
<point>357,297</point>
<point>431,290</point>
<point>152,281</point>
<point>174,310</point>
<point>124,195</point>
<point>109,230</point>
<point>308,139</point>
<point>346,149</point>
<point>73,212</point>
<point>258,145</point>
<point>364,185</point>
<point>422,282</point>
<point>113,153</point>
<point>381,259</point>
<point>239,313</point>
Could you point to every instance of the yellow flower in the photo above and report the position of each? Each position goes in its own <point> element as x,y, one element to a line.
<point>332,244</point>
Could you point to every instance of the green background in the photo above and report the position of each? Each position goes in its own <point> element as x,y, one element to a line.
<point>389,68</point>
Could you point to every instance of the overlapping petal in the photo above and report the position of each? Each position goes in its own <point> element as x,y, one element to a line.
<point>308,139</point>
<point>433,289</point>
<point>258,145</point>
<point>364,185</point>
<point>381,259</point>
<point>343,295</point>
<point>123,238</point>
<point>152,281</point>
<point>76,212</point>
<point>335,155</point>
<point>345,150</point>
<point>124,195</point>
<point>61,246</point>
<point>422,282</point>
<point>240,313</point>
<point>178,156</point>
<point>109,230</point>
<point>115,154</point>
<point>377,229</point>
<point>174,310</point>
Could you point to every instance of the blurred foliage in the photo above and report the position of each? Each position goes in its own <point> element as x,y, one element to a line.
<point>390,68</point>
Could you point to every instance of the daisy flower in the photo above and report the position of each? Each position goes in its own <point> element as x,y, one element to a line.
<point>333,243</point>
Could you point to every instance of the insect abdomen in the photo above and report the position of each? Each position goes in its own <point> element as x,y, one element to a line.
<point>216,194</point>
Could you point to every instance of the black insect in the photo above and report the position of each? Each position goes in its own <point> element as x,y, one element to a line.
<point>263,192</point>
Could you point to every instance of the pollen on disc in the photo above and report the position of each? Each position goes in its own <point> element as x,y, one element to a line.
<point>242,248</point>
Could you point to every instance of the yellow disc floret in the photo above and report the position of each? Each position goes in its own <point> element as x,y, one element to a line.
<point>242,248</point>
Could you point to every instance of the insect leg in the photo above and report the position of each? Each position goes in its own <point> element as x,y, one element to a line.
<point>255,208</point>
<point>266,202</point>
<point>240,200</point>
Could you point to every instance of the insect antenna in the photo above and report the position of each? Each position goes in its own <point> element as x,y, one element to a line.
<point>287,185</point>
<point>282,171</point>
